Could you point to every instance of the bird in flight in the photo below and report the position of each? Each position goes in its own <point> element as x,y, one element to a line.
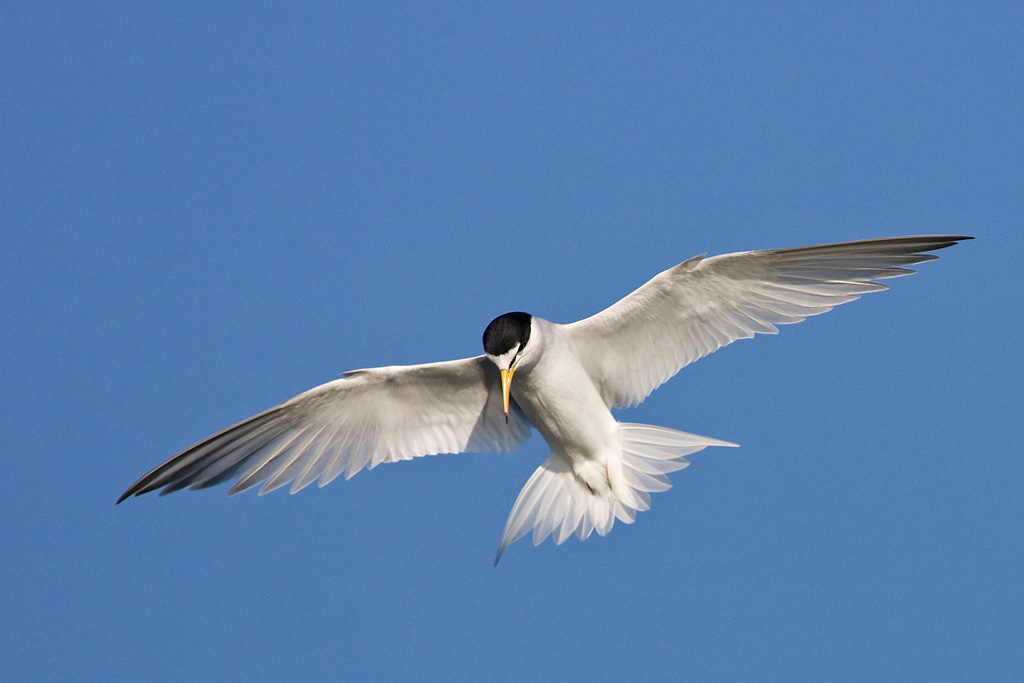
<point>561,379</point>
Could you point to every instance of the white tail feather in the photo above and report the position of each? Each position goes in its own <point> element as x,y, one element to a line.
<point>555,501</point>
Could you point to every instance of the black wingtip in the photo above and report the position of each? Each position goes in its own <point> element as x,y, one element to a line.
<point>953,239</point>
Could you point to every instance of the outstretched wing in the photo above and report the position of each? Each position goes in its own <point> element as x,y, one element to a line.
<point>702,304</point>
<point>361,420</point>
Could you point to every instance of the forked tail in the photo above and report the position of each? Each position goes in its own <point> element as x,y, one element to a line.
<point>555,502</point>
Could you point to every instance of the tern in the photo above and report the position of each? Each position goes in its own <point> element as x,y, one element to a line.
<point>561,379</point>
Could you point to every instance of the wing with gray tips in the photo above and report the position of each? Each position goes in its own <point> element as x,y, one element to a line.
<point>361,420</point>
<point>702,304</point>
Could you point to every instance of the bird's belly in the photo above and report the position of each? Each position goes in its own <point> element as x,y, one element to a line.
<point>569,413</point>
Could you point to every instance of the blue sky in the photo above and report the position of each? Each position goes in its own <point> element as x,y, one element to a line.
<point>207,209</point>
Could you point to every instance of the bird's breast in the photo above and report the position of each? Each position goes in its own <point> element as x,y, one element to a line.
<point>566,408</point>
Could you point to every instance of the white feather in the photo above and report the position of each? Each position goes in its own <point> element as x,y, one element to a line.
<point>702,304</point>
<point>359,421</point>
<point>555,498</point>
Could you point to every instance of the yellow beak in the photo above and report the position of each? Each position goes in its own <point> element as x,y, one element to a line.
<point>506,385</point>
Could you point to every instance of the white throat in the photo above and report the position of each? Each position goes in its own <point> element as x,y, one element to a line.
<point>504,361</point>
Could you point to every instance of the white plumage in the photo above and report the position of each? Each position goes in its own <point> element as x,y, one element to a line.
<point>562,379</point>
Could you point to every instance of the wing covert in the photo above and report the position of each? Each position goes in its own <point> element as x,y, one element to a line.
<point>360,420</point>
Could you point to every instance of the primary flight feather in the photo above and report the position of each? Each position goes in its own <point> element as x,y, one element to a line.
<point>562,380</point>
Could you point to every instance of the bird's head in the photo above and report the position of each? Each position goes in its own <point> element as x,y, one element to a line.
<point>505,340</point>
